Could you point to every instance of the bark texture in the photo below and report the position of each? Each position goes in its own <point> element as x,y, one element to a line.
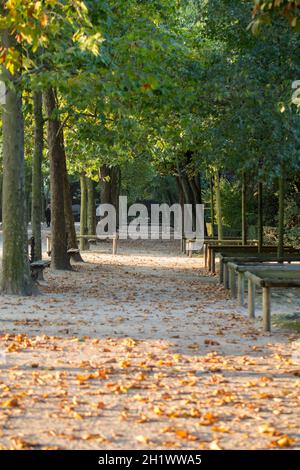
<point>59,255</point>
<point>218,205</point>
<point>36,207</point>
<point>15,264</point>
<point>83,212</point>
<point>281,195</point>
<point>91,208</point>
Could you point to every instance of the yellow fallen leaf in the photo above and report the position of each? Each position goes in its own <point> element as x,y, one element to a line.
<point>143,439</point>
<point>283,441</point>
<point>183,434</point>
<point>267,429</point>
<point>208,419</point>
<point>11,403</point>
<point>220,429</point>
<point>214,445</point>
<point>90,437</point>
<point>158,411</point>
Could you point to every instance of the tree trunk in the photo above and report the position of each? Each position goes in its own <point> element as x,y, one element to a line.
<point>59,255</point>
<point>15,265</point>
<point>212,206</point>
<point>36,208</point>
<point>181,202</point>
<point>105,184</point>
<point>70,224</point>
<point>195,184</point>
<point>260,225</point>
<point>180,193</point>
<point>91,208</point>
<point>83,212</point>
<point>1,185</point>
<point>281,212</point>
<point>244,210</point>
<point>115,189</point>
<point>218,206</point>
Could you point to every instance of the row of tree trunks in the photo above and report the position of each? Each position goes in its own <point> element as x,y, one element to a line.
<point>15,266</point>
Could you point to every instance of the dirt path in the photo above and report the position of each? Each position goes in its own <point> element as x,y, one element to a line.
<point>143,350</point>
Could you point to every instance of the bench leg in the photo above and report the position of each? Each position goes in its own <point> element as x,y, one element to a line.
<point>266,308</point>
<point>40,275</point>
<point>213,264</point>
<point>221,274</point>
<point>241,289</point>
<point>225,276</point>
<point>232,283</point>
<point>251,299</point>
<point>209,260</point>
<point>48,249</point>
<point>205,256</point>
<point>115,246</point>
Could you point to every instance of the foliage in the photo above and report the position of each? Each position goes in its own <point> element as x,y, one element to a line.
<point>266,11</point>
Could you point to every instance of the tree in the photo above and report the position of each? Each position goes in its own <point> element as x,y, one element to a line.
<point>15,266</point>
<point>59,256</point>
<point>37,177</point>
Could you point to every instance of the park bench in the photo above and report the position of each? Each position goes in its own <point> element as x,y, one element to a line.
<point>72,252</point>
<point>244,258</point>
<point>186,244</point>
<point>238,270</point>
<point>37,269</point>
<point>191,245</point>
<point>36,266</point>
<point>94,239</point>
<point>185,239</point>
<point>269,279</point>
<point>224,242</point>
<point>232,250</point>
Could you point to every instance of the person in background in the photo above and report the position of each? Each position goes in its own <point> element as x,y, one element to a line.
<point>48,215</point>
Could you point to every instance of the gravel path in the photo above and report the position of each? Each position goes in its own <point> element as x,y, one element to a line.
<point>142,350</point>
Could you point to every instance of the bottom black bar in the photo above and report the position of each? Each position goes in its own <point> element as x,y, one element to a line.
<point>143,459</point>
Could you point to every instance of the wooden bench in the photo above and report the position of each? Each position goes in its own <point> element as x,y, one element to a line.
<point>37,269</point>
<point>237,270</point>
<point>242,250</point>
<point>192,244</point>
<point>208,241</point>
<point>258,258</point>
<point>268,279</point>
<point>72,252</point>
<point>98,238</point>
<point>224,242</point>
